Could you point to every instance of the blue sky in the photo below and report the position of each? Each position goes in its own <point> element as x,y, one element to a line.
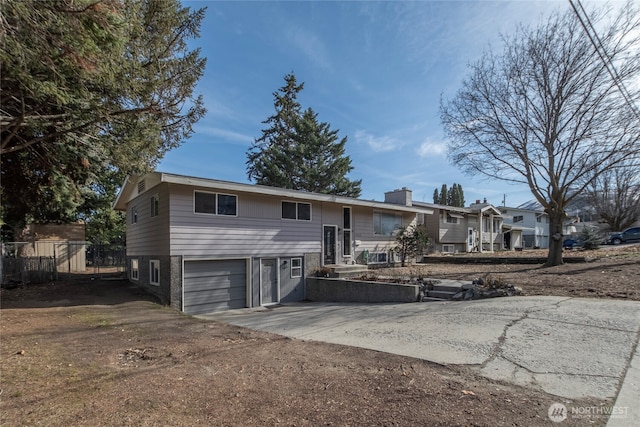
<point>375,71</point>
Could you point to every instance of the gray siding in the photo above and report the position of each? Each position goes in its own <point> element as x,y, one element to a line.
<point>149,236</point>
<point>443,232</point>
<point>258,230</point>
<point>363,231</point>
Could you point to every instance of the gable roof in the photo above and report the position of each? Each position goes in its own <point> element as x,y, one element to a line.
<point>474,209</point>
<point>129,188</point>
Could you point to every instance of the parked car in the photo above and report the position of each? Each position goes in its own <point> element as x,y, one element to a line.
<point>571,243</point>
<point>627,236</point>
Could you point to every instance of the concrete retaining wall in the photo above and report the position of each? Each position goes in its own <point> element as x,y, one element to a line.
<point>461,259</point>
<point>341,290</point>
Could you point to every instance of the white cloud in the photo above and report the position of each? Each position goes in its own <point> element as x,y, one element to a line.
<point>431,149</point>
<point>377,143</point>
<point>224,135</point>
<point>311,46</point>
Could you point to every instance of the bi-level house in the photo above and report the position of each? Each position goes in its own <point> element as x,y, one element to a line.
<point>477,228</point>
<point>204,245</point>
<point>533,223</point>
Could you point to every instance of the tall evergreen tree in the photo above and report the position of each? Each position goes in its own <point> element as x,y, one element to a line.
<point>322,164</point>
<point>269,160</point>
<point>89,87</point>
<point>297,152</point>
<point>444,195</point>
<point>453,196</point>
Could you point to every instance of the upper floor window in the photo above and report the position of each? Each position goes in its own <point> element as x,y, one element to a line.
<point>296,210</point>
<point>518,218</point>
<point>134,215</point>
<point>386,223</point>
<point>215,204</point>
<point>155,205</point>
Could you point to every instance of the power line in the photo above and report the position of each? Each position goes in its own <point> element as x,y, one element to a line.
<point>604,56</point>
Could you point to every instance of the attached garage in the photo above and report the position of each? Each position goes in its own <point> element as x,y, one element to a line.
<point>214,285</point>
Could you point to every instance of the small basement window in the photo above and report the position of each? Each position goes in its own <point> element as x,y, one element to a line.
<point>296,267</point>
<point>154,272</point>
<point>135,273</point>
<point>377,258</point>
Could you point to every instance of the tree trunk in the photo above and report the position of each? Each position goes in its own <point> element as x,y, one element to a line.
<point>556,220</point>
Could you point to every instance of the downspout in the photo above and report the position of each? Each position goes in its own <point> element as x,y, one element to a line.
<point>480,237</point>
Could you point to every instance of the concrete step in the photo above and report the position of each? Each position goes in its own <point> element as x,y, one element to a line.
<point>441,294</point>
<point>447,288</point>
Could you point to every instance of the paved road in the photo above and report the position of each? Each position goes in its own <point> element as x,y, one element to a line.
<point>569,347</point>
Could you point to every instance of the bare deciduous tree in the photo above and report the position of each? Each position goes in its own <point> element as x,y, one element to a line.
<point>547,111</point>
<point>615,196</point>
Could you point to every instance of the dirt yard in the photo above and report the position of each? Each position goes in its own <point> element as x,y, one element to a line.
<point>103,353</point>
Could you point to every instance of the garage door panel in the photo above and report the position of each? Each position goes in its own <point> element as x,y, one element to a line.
<point>214,296</point>
<point>216,282</point>
<point>213,285</point>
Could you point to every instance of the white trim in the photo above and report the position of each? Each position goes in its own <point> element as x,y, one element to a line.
<point>291,276</point>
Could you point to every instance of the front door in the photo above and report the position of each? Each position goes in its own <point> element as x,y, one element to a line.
<point>269,281</point>
<point>329,244</point>
<point>471,239</point>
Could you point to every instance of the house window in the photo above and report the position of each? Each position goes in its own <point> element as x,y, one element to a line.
<point>296,267</point>
<point>295,210</point>
<point>346,232</point>
<point>377,258</point>
<point>451,220</point>
<point>448,249</point>
<point>227,204</point>
<point>204,202</point>
<point>155,205</point>
<point>135,274</point>
<point>134,215</point>
<point>386,223</point>
<point>518,218</point>
<point>212,203</point>
<point>154,272</point>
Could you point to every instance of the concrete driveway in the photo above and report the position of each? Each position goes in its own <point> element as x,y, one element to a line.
<point>569,347</point>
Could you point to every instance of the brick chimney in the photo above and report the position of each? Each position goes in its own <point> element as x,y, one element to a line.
<point>399,197</point>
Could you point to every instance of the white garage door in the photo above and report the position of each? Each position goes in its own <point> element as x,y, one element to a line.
<point>214,285</point>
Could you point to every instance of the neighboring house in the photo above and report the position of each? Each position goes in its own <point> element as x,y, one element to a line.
<point>533,223</point>
<point>204,245</point>
<point>477,228</point>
